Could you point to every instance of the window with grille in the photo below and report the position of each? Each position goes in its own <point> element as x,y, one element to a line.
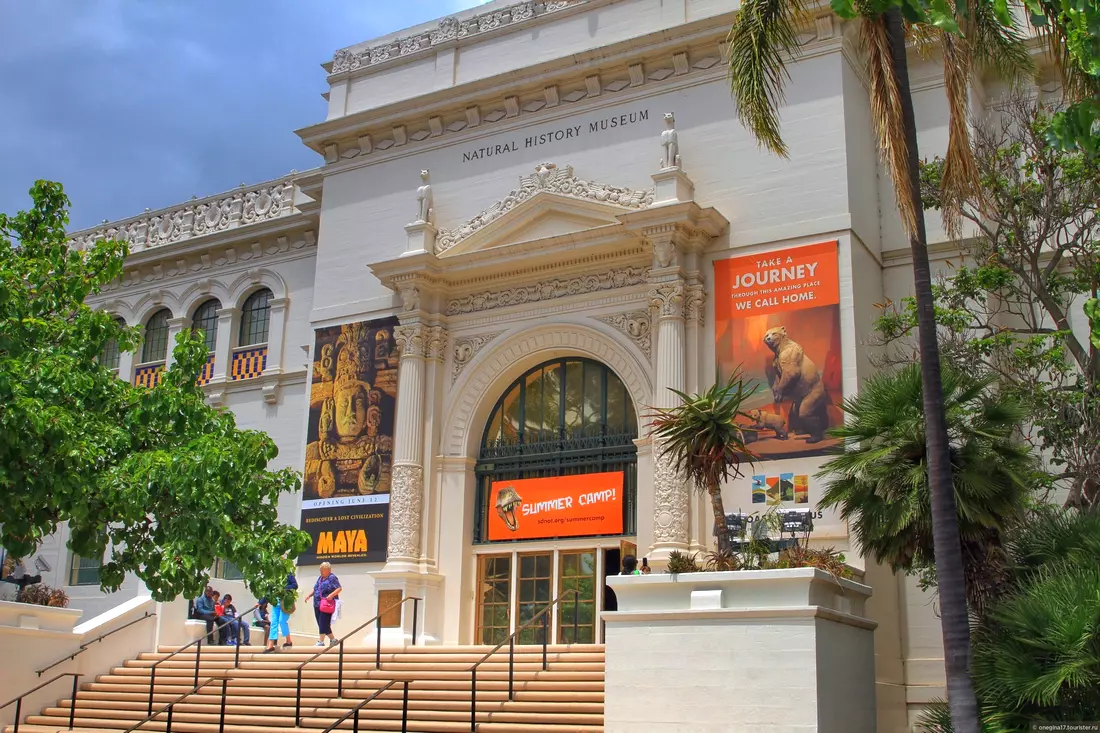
<point>255,318</point>
<point>205,322</point>
<point>84,570</point>
<point>110,355</point>
<point>564,417</point>
<point>156,337</point>
<point>226,570</point>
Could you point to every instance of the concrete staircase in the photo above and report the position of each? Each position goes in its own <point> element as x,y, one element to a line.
<point>567,698</point>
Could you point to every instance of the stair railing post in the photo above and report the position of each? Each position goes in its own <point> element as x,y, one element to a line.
<point>221,718</point>
<point>237,653</point>
<point>340,672</point>
<point>72,709</point>
<point>511,666</point>
<point>473,700</point>
<point>198,655</point>
<point>18,713</point>
<point>405,710</point>
<point>298,700</point>
<point>545,636</point>
<point>152,683</point>
<point>168,728</point>
<point>355,721</point>
<point>378,645</point>
<point>576,615</point>
<point>416,615</point>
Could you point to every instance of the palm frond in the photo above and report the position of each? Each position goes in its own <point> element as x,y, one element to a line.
<point>762,38</point>
<point>960,171</point>
<point>887,117</point>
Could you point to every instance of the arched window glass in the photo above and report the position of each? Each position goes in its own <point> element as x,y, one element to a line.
<point>156,337</point>
<point>564,417</point>
<point>110,354</point>
<point>205,322</point>
<point>255,318</point>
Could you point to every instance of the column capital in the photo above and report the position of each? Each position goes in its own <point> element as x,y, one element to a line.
<point>412,339</point>
<point>668,299</point>
<point>695,303</point>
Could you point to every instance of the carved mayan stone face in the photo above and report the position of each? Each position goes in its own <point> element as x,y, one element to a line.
<point>351,410</point>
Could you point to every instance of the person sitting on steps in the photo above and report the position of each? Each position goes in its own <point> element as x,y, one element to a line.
<point>238,632</point>
<point>204,611</point>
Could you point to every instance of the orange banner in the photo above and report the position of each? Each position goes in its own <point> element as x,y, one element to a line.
<point>775,282</point>
<point>565,506</point>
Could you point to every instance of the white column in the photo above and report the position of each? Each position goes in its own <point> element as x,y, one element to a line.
<point>175,327</point>
<point>276,333</point>
<point>671,513</point>
<point>407,482</point>
<point>228,322</point>
<point>126,361</point>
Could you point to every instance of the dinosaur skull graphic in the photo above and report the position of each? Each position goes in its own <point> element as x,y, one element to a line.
<point>507,503</point>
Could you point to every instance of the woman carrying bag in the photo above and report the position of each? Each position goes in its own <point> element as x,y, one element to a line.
<point>280,618</point>
<point>324,594</point>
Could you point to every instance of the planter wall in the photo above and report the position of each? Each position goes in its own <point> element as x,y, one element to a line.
<point>769,651</point>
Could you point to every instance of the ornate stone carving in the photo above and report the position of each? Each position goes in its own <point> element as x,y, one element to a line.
<point>547,177</point>
<point>635,324</point>
<point>410,298</point>
<point>668,300</point>
<point>547,290</point>
<point>197,218</point>
<point>412,339</point>
<point>664,253</point>
<point>424,200</point>
<point>437,343</point>
<point>695,304</point>
<point>448,29</point>
<point>670,500</point>
<point>670,141</point>
<point>466,349</point>
<point>406,497</point>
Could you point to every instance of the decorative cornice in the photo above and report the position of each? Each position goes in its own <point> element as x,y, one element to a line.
<point>218,213</point>
<point>547,290</point>
<point>466,348</point>
<point>449,29</point>
<point>635,324</point>
<point>547,177</point>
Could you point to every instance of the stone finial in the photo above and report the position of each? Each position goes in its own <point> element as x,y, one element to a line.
<point>426,212</point>
<point>671,143</point>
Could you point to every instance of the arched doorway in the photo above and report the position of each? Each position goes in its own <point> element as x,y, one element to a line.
<point>570,417</point>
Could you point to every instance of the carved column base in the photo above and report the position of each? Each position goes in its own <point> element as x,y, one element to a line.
<point>406,499</point>
<point>428,587</point>
<point>671,513</point>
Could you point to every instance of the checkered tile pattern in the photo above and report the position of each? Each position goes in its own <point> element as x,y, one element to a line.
<point>148,375</point>
<point>207,370</point>
<point>248,363</point>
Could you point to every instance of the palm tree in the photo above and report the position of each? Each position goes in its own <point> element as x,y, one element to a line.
<point>762,39</point>
<point>880,485</point>
<point>704,441</point>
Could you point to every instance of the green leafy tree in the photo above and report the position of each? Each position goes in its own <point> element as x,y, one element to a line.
<point>702,437</point>
<point>880,484</point>
<point>153,478</point>
<point>1006,311</point>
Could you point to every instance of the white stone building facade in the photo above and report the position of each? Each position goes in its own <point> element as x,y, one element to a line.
<point>499,182</point>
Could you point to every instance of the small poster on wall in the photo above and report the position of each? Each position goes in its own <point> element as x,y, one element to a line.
<point>777,317</point>
<point>349,443</point>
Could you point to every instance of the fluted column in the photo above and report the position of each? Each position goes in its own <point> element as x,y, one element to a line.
<point>407,479</point>
<point>671,513</point>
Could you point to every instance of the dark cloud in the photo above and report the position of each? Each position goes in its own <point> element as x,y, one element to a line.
<point>144,103</point>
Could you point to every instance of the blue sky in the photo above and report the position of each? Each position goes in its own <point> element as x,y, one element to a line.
<point>143,103</point>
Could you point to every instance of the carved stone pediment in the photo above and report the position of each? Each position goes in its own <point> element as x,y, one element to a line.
<point>549,203</point>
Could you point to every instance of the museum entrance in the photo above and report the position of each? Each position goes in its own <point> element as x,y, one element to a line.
<point>556,496</point>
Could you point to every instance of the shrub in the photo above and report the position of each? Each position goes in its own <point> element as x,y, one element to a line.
<point>681,562</point>
<point>828,560</point>
<point>40,594</point>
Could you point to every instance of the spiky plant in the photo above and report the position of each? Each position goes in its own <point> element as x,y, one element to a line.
<point>702,438</point>
<point>880,484</point>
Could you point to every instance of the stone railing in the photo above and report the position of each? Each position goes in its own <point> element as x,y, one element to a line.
<point>449,29</point>
<point>241,207</point>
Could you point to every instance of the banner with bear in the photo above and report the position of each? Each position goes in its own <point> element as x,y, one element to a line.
<point>349,443</point>
<point>777,317</point>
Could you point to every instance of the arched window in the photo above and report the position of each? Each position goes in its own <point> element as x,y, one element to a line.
<point>255,317</point>
<point>109,357</point>
<point>205,322</point>
<point>156,337</point>
<point>564,417</point>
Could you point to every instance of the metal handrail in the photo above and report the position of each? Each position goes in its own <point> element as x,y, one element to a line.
<point>19,700</point>
<point>169,707</point>
<point>355,711</point>
<point>198,654</point>
<point>83,647</point>
<point>511,642</point>
<point>340,668</point>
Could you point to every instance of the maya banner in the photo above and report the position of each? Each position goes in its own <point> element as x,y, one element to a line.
<point>777,316</point>
<point>565,506</point>
<point>349,443</point>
